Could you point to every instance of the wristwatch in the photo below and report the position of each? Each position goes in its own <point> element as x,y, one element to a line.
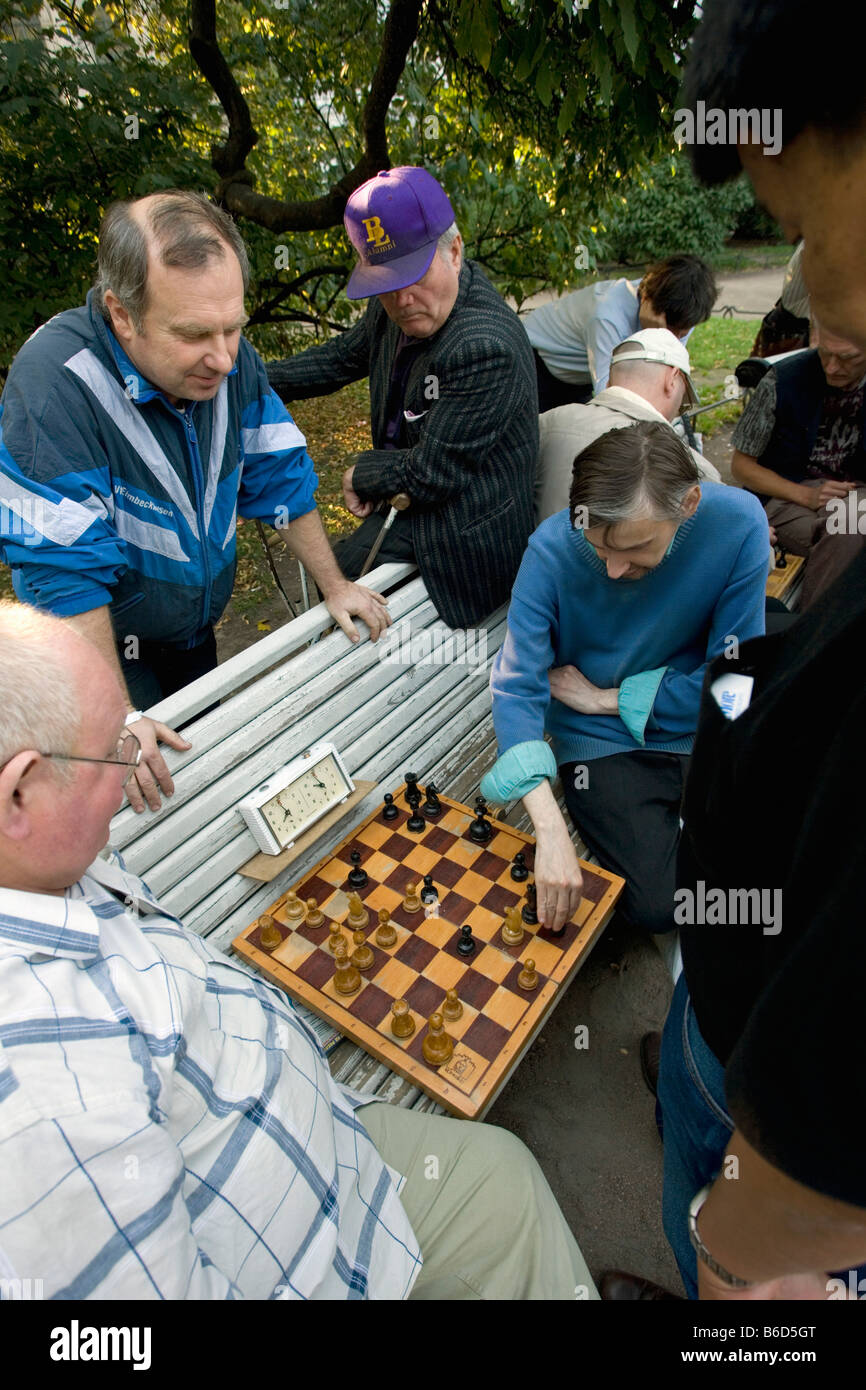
<point>703,1254</point>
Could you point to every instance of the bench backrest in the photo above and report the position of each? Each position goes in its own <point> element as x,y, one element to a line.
<point>407,701</point>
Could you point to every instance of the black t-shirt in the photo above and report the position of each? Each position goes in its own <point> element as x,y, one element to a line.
<point>776,800</point>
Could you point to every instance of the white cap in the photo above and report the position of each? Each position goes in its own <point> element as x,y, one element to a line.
<point>657,345</point>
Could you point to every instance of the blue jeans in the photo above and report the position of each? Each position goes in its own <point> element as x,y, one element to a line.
<point>697,1126</point>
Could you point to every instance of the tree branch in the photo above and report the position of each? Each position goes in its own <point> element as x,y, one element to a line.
<point>236,188</point>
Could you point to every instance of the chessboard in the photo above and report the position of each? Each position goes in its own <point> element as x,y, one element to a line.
<point>473,882</point>
<point>781,579</point>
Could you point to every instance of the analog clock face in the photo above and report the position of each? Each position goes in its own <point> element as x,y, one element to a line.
<point>300,803</point>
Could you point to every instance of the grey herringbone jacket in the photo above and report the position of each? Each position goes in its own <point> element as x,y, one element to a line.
<point>472,403</point>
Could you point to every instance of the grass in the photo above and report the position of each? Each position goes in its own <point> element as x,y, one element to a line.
<point>715,348</point>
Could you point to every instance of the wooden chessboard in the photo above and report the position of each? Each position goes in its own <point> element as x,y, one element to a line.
<point>779,581</point>
<point>474,883</point>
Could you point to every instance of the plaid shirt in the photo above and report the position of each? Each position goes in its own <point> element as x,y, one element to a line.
<point>168,1124</point>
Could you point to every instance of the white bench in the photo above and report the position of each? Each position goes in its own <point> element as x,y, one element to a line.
<point>279,697</point>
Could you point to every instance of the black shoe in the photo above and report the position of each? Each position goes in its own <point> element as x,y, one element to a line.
<point>650,1052</point>
<point>617,1287</point>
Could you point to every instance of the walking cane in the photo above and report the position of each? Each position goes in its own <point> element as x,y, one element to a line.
<point>399,502</point>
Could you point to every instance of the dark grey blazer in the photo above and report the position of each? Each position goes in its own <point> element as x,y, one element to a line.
<point>473,450</point>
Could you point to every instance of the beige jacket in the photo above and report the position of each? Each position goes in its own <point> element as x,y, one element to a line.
<point>568,429</point>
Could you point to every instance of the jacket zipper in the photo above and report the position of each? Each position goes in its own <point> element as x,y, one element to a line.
<point>198,479</point>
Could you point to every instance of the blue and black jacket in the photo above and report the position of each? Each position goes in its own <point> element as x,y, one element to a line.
<point>111,495</point>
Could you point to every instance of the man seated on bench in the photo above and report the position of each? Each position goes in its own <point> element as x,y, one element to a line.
<point>649,379</point>
<point>620,602</point>
<point>800,445</point>
<point>168,1124</point>
<point>453,400</point>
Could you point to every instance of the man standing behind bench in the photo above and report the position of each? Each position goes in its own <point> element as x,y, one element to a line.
<point>134,430</point>
<point>453,402</point>
<point>169,1127</point>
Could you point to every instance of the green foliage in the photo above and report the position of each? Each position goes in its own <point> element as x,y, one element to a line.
<point>65,153</point>
<point>663,209</point>
<point>528,113</point>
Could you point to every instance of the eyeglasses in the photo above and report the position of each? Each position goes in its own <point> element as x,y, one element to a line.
<point>128,755</point>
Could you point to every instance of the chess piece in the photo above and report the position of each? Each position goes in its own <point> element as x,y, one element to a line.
<point>402,1022</point>
<point>428,892</point>
<point>519,871</point>
<point>315,917</point>
<point>452,1008</point>
<point>336,937</point>
<point>481,830</point>
<point>437,1046</point>
<point>347,979</point>
<point>357,876</point>
<point>358,915</point>
<point>386,933</point>
<point>432,804</point>
<point>530,907</point>
<point>293,907</point>
<point>512,928</point>
<point>781,558</point>
<point>271,935</point>
<point>412,902</point>
<point>390,812</point>
<point>466,944</point>
<point>362,957</point>
<point>411,780</point>
<point>416,822</point>
<point>528,977</point>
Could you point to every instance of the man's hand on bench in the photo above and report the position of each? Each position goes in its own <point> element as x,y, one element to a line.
<point>346,598</point>
<point>152,772</point>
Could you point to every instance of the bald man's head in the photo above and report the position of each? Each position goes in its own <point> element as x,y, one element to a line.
<point>63,717</point>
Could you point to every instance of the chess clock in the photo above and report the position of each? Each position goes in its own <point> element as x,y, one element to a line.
<point>295,797</point>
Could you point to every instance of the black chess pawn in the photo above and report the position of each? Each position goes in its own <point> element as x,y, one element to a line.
<point>432,804</point>
<point>530,907</point>
<point>357,876</point>
<point>466,943</point>
<point>480,829</point>
<point>428,893</point>
<point>390,812</point>
<point>781,559</point>
<point>519,871</point>
<point>481,807</point>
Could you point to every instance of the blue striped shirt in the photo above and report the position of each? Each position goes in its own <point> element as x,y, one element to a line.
<point>168,1124</point>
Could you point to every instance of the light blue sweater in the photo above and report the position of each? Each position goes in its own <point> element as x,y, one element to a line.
<point>651,637</point>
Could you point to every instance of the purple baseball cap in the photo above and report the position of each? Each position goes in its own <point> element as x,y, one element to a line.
<point>394,221</point>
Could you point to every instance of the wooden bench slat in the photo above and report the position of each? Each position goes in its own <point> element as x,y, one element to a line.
<point>277,736</point>
<point>277,646</point>
<point>254,728</point>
